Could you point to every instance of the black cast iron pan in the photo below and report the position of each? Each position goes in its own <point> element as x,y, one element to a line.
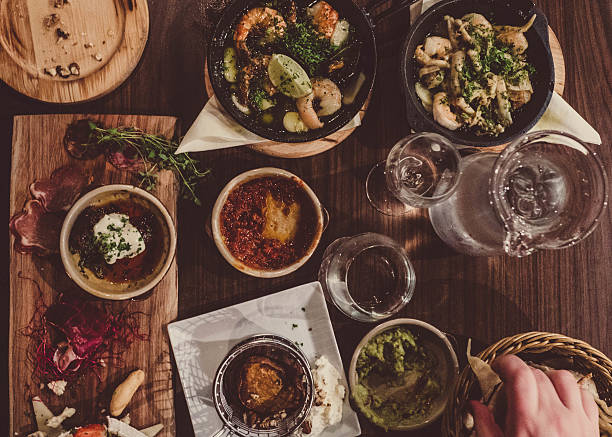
<point>357,17</point>
<point>500,12</point>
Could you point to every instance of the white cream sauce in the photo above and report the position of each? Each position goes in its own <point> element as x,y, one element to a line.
<point>118,238</point>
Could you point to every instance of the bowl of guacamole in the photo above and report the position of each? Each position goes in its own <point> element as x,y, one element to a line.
<point>402,373</point>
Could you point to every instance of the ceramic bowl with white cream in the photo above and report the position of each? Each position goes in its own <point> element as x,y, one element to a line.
<point>117,242</point>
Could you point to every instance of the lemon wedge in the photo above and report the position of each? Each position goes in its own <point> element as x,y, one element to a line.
<point>289,76</point>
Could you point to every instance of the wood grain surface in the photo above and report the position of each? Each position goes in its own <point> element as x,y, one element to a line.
<point>37,151</point>
<point>567,291</point>
<point>105,38</point>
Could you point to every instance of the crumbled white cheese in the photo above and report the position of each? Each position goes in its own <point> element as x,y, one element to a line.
<point>56,421</point>
<point>57,387</point>
<point>65,434</point>
<point>118,238</point>
<point>329,397</point>
<point>38,434</point>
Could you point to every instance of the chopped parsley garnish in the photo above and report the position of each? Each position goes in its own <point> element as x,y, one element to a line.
<point>257,96</point>
<point>307,46</point>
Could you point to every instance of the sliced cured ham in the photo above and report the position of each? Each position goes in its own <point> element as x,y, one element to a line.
<point>37,227</point>
<point>36,230</point>
<point>123,161</point>
<point>62,189</point>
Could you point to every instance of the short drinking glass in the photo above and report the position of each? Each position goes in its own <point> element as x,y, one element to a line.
<point>421,170</point>
<point>368,276</point>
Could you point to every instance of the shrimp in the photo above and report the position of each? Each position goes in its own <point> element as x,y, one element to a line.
<point>460,103</point>
<point>324,17</point>
<point>453,36</point>
<point>480,24</point>
<point>514,36</point>
<point>329,98</point>
<point>443,113</point>
<point>503,103</point>
<point>431,76</point>
<point>424,59</point>
<point>437,46</point>
<point>266,19</point>
<point>457,64</point>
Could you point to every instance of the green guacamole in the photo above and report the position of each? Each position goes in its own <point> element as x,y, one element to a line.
<point>397,379</point>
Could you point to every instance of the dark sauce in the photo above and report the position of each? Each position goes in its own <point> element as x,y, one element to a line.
<point>275,368</point>
<point>243,221</point>
<point>82,242</point>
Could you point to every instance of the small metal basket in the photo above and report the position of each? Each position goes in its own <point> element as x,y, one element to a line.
<point>233,421</point>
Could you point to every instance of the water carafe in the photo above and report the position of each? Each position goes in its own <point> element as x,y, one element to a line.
<point>546,190</point>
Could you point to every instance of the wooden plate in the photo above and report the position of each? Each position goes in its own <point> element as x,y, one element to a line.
<point>38,150</point>
<point>38,38</point>
<point>296,150</point>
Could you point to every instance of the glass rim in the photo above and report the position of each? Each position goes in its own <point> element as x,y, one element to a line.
<point>381,240</point>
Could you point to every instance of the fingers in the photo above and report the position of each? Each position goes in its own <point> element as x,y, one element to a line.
<point>484,422</point>
<point>567,388</point>
<point>546,390</point>
<point>519,385</point>
<point>590,407</point>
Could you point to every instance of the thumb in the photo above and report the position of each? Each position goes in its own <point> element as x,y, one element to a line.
<point>484,421</point>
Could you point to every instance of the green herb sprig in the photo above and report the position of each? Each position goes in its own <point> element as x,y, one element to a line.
<point>155,152</point>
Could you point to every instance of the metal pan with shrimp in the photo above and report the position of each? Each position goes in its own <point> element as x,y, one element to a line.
<point>292,71</point>
<point>478,72</point>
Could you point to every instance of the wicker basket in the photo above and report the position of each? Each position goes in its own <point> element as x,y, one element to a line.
<point>586,359</point>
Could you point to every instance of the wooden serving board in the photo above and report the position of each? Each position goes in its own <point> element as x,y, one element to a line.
<point>105,38</point>
<point>37,151</point>
<point>296,150</point>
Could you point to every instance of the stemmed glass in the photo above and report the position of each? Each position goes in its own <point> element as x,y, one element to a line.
<point>420,171</point>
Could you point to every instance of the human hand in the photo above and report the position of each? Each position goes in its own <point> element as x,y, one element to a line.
<point>538,404</point>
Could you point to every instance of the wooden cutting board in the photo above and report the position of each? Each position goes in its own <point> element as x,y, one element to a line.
<point>103,38</point>
<point>37,151</point>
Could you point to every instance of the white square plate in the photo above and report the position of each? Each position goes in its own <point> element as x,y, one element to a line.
<point>200,344</point>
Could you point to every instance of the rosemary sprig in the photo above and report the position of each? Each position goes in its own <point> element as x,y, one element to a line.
<point>155,152</point>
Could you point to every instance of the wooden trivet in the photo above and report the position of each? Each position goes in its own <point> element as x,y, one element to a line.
<point>296,150</point>
<point>104,38</point>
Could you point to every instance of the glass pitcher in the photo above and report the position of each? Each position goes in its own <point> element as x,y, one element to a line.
<point>546,190</point>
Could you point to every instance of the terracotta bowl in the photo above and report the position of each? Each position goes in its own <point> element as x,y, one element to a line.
<point>435,341</point>
<point>100,287</point>
<point>322,219</point>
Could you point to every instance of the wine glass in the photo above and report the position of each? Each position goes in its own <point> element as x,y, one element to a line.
<point>420,171</point>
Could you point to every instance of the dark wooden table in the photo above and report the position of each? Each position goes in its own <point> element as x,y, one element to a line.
<point>567,291</point>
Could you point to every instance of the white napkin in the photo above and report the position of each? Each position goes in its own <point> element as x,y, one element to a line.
<point>559,115</point>
<point>214,128</point>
